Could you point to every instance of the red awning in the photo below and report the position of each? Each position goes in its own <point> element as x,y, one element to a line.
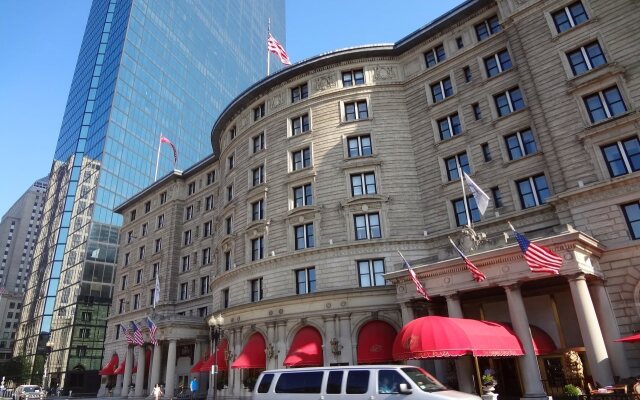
<point>629,339</point>
<point>306,349</point>
<point>220,355</point>
<point>120,369</point>
<point>110,368</point>
<point>542,342</point>
<point>253,355</point>
<point>375,343</point>
<point>443,337</point>
<point>197,367</point>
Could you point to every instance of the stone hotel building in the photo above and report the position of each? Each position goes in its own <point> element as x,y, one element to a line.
<point>322,172</point>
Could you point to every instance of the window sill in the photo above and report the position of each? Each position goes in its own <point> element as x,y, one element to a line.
<point>532,155</point>
<point>301,134</point>
<point>363,161</point>
<point>355,121</point>
<point>502,118</point>
<point>302,210</point>
<point>302,173</point>
<point>365,199</point>
<point>452,139</point>
<point>554,31</point>
<point>606,124</point>
<point>446,100</point>
<point>257,190</point>
<point>505,73</point>
<point>579,82</point>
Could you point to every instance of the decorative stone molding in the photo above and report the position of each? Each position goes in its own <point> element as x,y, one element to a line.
<point>385,73</point>
<point>277,100</point>
<point>324,82</point>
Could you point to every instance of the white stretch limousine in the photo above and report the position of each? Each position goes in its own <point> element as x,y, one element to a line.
<point>354,382</point>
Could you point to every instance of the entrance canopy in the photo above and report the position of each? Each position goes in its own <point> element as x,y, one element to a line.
<point>200,366</point>
<point>375,343</point>
<point>306,349</point>
<point>443,337</point>
<point>110,368</point>
<point>220,356</point>
<point>120,369</point>
<point>253,355</point>
<point>629,339</point>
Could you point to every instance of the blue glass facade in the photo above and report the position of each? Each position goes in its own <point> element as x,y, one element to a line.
<point>145,68</point>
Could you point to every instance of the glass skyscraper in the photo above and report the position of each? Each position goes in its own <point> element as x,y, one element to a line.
<point>146,68</point>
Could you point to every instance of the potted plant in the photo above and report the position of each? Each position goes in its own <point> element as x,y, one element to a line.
<point>488,381</point>
<point>572,390</point>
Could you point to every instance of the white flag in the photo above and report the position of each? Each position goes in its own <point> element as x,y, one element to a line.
<point>156,291</point>
<point>482,199</point>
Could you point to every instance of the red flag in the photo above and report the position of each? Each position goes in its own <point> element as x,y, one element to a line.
<point>175,152</point>
<point>127,334</point>
<point>137,334</point>
<point>153,330</point>
<point>478,276</point>
<point>419,288</point>
<point>276,48</point>
<point>539,258</point>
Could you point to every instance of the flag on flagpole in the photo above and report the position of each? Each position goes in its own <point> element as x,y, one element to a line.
<point>137,334</point>
<point>276,48</point>
<point>127,335</point>
<point>153,329</point>
<point>419,288</point>
<point>539,258</point>
<point>478,276</point>
<point>156,291</point>
<point>482,199</point>
<point>163,139</point>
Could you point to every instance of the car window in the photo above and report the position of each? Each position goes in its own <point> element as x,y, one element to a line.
<point>357,382</point>
<point>389,381</point>
<point>423,379</point>
<point>299,382</point>
<point>265,383</point>
<point>334,383</point>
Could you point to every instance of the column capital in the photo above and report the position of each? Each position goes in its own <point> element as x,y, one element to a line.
<point>344,317</point>
<point>511,286</point>
<point>576,277</point>
<point>452,296</point>
<point>281,322</point>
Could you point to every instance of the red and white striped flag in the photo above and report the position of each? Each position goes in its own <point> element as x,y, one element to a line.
<point>137,334</point>
<point>127,334</point>
<point>478,276</point>
<point>419,288</point>
<point>163,139</point>
<point>153,330</point>
<point>276,48</point>
<point>539,258</point>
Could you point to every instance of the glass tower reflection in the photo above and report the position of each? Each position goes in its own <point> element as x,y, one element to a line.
<point>145,68</point>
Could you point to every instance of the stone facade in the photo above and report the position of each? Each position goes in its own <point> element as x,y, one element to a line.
<point>307,197</point>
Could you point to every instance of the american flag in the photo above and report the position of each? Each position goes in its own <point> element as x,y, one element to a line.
<point>419,288</point>
<point>127,335</point>
<point>137,334</point>
<point>276,48</point>
<point>163,139</point>
<point>540,259</point>
<point>478,276</point>
<point>153,329</point>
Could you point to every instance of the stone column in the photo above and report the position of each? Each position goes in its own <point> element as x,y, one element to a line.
<point>238,388</point>
<point>610,331</point>
<point>170,384</point>
<point>128,367</point>
<point>439,366</point>
<point>139,391</point>
<point>329,334</point>
<point>529,370</point>
<point>590,330</point>
<point>344,323</point>
<point>464,365</point>
<point>271,339</point>
<point>155,367</point>
<point>117,390</point>
<point>407,313</point>
<point>281,342</point>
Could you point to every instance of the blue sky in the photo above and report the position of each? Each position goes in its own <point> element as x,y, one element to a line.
<point>40,40</point>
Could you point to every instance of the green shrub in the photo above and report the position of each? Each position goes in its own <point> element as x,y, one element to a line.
<point>572,390</point>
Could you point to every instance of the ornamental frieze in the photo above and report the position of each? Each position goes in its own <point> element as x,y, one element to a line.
<point>384,73</point>
<point>324,82</point>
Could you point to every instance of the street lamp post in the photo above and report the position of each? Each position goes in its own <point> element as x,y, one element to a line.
<point>215,331</point>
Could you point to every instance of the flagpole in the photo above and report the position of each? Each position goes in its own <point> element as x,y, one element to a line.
<point>155,178</point>
<point>464,195</point>
<point>268,52</point>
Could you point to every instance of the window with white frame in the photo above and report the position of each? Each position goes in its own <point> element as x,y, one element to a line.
<point>586,58</point>
<point>187,237</point>
<point>258,142</point>
<point>604,104</point>
<point>460,212</point>
<point>301,159</point>
<point>367,226</point>
<point>256,289</point>
<point>441,90</point>
<point>520,144</point>
<point>186,263</point>
<point>206,256</point>
<point>302,195</point>
<point>258,112</point>
<point>257,210</point>
<point>304,238</point>
<point>497,63</point>
<point>449,126</point>
<point>533,191</point>
<point>305,280</point>
<point>435,56</point>
<point>207,229</point>
<point>184,291</point>
<point>622,157</point>
<point>508,102</point>
<point>257,175</point>
<point>204,285</point>
<point>299,92</point>
<point>488,27</point>
<point>300,124</point>
<point>208,203</point>
<point>352,78</point>
<point>359,146</point>
<point>456,163</point>
<point>257,248</point>
<point>363,183</point>
<point>371,272</point>
<point>632,216</point>
<point>569,16</point>
<point>356,110</point>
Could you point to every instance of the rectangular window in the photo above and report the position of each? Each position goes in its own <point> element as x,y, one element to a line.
<point>123,282</point>
<point>211,177</point>
<point>224,298</point>
<point>257,248</point>
<point>351,78</point>
<point>232,132</point>
<point>435,56</point>
<point>206,256</point>
<point>257,210</point>
<point>229,192</point>
<point>158,246</point>
<point>300,124</point>
<point>467,74</point>
<point>84,333</point>
<point>359,146</point>
<point>160,222</point>
<point>258,112</point>
<point>207,229</point>
<point>459,42</point>
<point>356,110</point>
<point>203,311</point>
<point>508,102</point>
<point>257,175</point>
<point>132,215</point>
<point>586,58</point>
<point>533,191</point>
<point>487,28</point>
<point>497,197</point>
<point>441,90</point>
<point>461,213</point>
<point>156,270</point>
<point>228,263</point>
<point>299,93</point>
<point>256,290</point>
<point>147,207</point>
<point>188,213</point>
<point>136,301</point>
<point>569,16</point>
<point>622,157</point>
<point>208,203</point>
<point>117,331</point>
<point>204,285</point>
<point>163,197</point>
<point>186,263</point>
<point>304,238</point>
<point>129,237</point>
<point>486,152</point>
<point>520,144</point>
<point>121,307</point>
<point>497,63</point>
<point>449,126</point>
<point>632,216</point>
<point>144,229</point>
<point>258,142</point>
<point>363,183</point>
<point>371,272</point>
<point>302,196</point>
<point>477,113</point>
<point>187,237</point>
<point>231,162</point>
<point>301,159</point>
<point>184,291</point>
<point>306,280</point>
<point>367,226</point>
<point>191,189</point>
<point>228,225</point>
<point>604,104</point>
<point>141,252</point>
<point>454,164</point>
